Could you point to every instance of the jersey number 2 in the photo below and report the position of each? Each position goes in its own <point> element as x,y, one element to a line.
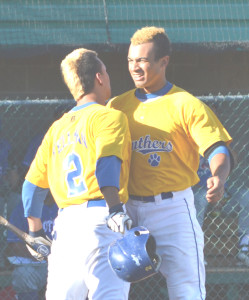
<point>74,175</point>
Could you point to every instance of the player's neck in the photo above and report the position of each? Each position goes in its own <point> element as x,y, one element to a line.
<point>86,99</point>
<point>157,86</point>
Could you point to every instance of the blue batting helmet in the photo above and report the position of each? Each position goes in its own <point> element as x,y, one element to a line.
<point>133,257</point>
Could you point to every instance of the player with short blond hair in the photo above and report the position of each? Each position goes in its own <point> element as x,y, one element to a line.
<point>84,159</point>
<point>169,129</point>
<point>153,34</point>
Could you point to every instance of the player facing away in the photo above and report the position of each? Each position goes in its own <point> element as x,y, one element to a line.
<point>169,128</point>
<point>84,159</point>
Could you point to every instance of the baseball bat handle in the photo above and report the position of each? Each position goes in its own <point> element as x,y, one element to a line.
<point>21,234</point>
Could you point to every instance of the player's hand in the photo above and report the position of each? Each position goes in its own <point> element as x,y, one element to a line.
<point>41,247</point>
<point>118,220</point>
<point>215,189</point>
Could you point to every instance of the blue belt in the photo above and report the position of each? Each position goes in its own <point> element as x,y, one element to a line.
<point>151,198</point>
<point>96,203</point>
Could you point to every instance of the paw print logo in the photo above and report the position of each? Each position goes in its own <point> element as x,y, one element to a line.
<point>154,160</point>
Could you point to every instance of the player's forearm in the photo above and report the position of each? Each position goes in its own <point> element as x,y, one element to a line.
<point>220,166</point>
<point>35,224</point>
<point>111,195</point>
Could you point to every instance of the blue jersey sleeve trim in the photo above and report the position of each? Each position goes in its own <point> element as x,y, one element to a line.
<point>108,171</point>
<point>219,149</point>
<point>33,199</point>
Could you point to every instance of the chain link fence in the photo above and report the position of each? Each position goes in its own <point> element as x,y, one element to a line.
<point>224,225</point>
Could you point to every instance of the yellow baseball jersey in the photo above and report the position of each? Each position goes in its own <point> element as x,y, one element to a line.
<point>66,160</point>
<point>168,133</point>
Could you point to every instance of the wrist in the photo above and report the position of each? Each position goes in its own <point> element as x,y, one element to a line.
<point>38,233</point>
<point>116,208</point>
<point>35,224</point>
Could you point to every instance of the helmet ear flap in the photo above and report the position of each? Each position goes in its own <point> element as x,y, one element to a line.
<point>151,246</point>
<point>151,250</point>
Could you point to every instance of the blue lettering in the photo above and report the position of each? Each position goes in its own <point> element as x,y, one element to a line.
<point>145,145</point>
<point>155,144</point>
<point>83,138</point>
<point>75,138</point>
<point>147,142</point>
<point>140,143</point>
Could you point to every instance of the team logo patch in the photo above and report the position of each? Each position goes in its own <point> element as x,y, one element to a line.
<point>154,160</point>
<point>145,145</point>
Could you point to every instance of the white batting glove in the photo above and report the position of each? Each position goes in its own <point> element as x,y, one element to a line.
<point>35,254</point>
<point>118,221</point>
<point>41,246</point>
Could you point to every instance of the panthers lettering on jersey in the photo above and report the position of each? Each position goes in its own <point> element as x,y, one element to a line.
<point>168,133</point>
<point>66,159</point>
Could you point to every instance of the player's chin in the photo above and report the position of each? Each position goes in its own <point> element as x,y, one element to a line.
<point>139,84</point>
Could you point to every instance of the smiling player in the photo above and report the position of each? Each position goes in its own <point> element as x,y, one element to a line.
<point>169,128</point>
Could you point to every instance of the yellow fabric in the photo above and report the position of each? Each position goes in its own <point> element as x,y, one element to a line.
<point>168,133</point>
<point>66,160</point>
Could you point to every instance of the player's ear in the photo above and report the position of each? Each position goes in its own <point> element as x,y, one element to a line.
<point>99,78</point>
<point>165,61</point>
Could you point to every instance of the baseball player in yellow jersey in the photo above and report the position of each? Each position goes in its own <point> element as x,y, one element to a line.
<point>84,159</point>
<point>169,128</point>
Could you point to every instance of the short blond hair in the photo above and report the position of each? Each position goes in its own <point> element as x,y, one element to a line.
<point>146,34</point>
<point>78,70</point>
<point>157,35</point>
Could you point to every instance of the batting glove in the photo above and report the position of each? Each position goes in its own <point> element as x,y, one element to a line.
<point>118,220</point>
<point>41,246</point>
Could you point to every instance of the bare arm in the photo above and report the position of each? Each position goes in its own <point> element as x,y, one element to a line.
<point>35,224</point>
<point>111,195</point>
<point>220,169</point>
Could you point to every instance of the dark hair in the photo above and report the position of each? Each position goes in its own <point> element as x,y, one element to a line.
<point>78,70</point>
<point>89,66</point>
<point>162,45</point>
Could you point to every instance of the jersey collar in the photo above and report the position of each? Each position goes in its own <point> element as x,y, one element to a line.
<point>163,91</point>
<point>82,106</point>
